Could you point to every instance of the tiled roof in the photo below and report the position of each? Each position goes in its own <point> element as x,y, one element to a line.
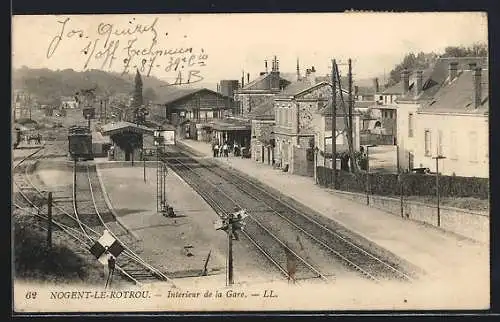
<point>439,74</point>
<point>116,127</point>
<point>364,104</point>
<point>257,84</point>
<point>256,81</point>
<point>264,111</point>
<point>327,109</point>
<point>435,76</point>
<point>169,95</point>
<point>456,97</point>
<point>366,90</point>
<point>296,88</point>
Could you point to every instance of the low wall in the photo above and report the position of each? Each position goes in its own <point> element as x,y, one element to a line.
<point>469,224</point>
<point>126,164</point>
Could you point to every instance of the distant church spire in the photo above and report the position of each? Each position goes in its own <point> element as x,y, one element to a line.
<point>298,70</point>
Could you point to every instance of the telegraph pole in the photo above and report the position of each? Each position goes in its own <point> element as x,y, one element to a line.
<point>231,223</point>
<point>49,220</point>
<point>350,108</point>
<point>437,158</point>
<point>334,126</point>
<point>346,122</point>
<point>230,236</point>
<point>160,176</point>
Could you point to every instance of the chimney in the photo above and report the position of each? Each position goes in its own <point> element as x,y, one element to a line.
<point>375,85</point>
<point>265,65</point>
<point>405,77</point>
<point>248,77</point>
<point>275,75</point>
<point>419,82</point>
<point>476,94</point>
<point>242,79</point>
<point>311,75</point>
<point>452,70</point>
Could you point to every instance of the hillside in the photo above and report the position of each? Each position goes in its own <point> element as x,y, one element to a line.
<point>47,84</point>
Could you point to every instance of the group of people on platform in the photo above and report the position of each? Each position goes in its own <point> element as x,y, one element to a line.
<point>28,138</point>
<point>224,149</point>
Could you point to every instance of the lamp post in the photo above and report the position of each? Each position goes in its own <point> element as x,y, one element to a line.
<point>437,158</point>
<point>400,181</point>
<point>316,149</point>
<point>368,188</point>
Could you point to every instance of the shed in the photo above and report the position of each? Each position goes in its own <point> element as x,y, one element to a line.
<point>127,139</point>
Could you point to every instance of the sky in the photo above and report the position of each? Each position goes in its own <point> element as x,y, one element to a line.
<point>225,45</point>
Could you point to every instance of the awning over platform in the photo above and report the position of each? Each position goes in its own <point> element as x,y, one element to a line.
<point>231,125</point>
<point>124,127</point>
<point>99,138</point>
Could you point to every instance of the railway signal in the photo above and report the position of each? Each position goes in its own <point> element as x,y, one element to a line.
<point>161,173</point>
<point>162,138</point>
<point>106,245</point>
<point>231,223</point>
<point>106,250</point>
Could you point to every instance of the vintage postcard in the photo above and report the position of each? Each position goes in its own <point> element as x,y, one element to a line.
<point>250,162</point>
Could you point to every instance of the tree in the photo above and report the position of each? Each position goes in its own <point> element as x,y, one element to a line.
<point>149,95</point>
<point>139,111</point>
<point>424,60</point>
<point>137,98</point>
<point>411,62</point>
<point>476,50</point>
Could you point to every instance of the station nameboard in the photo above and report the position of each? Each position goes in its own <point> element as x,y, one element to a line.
<point>167,135</point>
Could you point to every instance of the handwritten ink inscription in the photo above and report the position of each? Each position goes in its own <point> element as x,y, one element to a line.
<point>134,47</point>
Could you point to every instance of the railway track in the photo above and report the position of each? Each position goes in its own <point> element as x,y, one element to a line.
<point>278,252</point>
<point>270,209</point>
<point>86,224</point>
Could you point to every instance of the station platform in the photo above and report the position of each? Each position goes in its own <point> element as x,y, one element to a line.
<point>440,255</point>
<point>163,239</point>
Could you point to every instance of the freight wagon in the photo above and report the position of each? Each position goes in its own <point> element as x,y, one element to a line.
<point>80,143</point>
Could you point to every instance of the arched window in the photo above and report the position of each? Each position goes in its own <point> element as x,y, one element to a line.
<point>378,124</point>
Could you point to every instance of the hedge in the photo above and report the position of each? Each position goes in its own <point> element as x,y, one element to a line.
<point>387,184</point>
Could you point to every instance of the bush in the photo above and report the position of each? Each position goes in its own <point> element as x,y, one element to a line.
<point>388,184</point>
<point>34,260</point>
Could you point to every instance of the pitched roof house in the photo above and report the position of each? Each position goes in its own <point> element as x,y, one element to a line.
<point>454,124</point>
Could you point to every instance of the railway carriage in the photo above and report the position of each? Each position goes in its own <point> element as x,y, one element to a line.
<point>80,143</point>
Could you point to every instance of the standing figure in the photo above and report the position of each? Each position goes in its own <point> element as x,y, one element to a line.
<point>236,149</point>
<point>225,149</point>
<point>216,150</point>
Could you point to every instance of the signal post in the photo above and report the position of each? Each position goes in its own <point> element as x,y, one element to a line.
<point>231,224</point>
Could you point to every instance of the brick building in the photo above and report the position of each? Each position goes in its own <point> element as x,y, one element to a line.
<point>295,128</point>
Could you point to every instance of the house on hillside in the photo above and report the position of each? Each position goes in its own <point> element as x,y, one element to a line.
<point>69,102</point>
<point>419,91</point>
<point>191,110</point>
<point>454,124</point>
